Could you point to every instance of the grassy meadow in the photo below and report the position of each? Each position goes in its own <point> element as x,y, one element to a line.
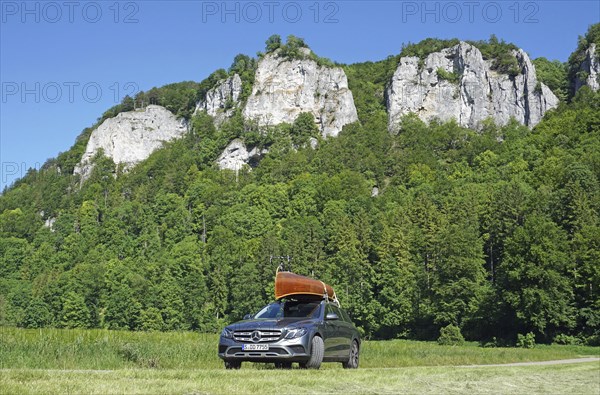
<point>99,362</point>
<point>564,379</point>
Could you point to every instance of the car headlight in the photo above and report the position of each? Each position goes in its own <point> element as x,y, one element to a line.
<point>294,333</point>
<point>227,334</point>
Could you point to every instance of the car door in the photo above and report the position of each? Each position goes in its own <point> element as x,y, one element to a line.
<point>330,334</point>
<point>346,330</point>
<point>344,334</point>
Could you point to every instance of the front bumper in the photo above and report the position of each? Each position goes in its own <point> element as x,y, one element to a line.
<point>284,350</point>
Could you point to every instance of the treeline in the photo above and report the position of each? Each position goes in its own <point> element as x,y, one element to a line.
<point>496,232</point>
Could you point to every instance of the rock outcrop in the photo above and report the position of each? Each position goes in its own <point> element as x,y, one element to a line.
<point>221,101</point>
<point>49,223</point>
<point>477,93</point>
<point>236,155</point>
<point>285,88</point>
<point>131,137</point>
<point>589,71</point>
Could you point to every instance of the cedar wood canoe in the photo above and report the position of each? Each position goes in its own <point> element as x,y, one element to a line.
<point>291,284</point>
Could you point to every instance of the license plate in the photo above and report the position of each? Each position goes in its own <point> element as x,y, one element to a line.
<point>255,347</point>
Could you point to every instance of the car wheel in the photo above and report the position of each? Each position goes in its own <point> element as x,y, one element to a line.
<point>316,354</point>
<point>353,358</point>
<point>283,365</point>
<point>233,365</point>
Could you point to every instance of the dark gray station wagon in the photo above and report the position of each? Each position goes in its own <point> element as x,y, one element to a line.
<point>304,331</point>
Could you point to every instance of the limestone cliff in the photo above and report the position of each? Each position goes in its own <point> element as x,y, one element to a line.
<point>589,71</point>
<point>220,101</point>
<point>236,155</point>
<point>284,88</point>
<point>131,137</point>
<point>473,93</point>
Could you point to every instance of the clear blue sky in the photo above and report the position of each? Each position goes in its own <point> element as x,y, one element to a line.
<point>63,63</point>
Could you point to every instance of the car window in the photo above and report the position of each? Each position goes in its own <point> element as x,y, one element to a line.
<point>300,309</point>
<point>342,314</point>
<point>269,311</point>
<point>328,309</point>
<point>290,309</point>
<point>345,315</point>
<point>333,309</point>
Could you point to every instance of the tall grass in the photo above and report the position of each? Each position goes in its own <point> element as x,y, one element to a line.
<point>402,353</point>
<point>76,349</point>
<point>103,349</point>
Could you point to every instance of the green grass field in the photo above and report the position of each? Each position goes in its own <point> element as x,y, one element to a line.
<point>98,362</point>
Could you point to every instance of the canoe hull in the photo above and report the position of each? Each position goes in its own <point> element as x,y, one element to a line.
<point>291,284</point>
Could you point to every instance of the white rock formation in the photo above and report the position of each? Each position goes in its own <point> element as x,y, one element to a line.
<point>591,67</point>
<point>221,101</point>
<point>131,137</point>
<point>49,223</point>
<point>236,155</point>
<point>478,94</point>
<point>285,88</point>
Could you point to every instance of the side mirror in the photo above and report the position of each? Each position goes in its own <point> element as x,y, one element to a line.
<point>331,317</point>
<point>248,317</point>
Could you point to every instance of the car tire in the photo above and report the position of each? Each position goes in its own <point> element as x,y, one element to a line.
<point>283,365</point>
<point>317,350</point>
<point>352,362</point>
<point>233,365</point>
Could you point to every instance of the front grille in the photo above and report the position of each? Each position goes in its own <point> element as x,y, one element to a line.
<point>257,336</point>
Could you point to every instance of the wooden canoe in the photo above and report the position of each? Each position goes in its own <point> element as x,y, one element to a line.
<point>291,284</point>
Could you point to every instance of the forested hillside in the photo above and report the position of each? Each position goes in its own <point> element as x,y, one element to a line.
<point>495,231</point>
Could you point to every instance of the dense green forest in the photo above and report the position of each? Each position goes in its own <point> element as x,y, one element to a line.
<point>495,231</point>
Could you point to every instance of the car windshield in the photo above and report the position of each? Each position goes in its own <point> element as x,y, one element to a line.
<point>289,309</point>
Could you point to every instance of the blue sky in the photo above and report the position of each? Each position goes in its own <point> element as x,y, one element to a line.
<point>63,63</point>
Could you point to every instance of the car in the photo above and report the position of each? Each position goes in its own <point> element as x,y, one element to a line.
<point>305,331</point>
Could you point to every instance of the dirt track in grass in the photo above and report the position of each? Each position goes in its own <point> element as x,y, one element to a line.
<point>538,363</point>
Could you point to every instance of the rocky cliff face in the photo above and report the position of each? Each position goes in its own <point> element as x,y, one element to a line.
<point>285,88</point>
<point>477,93</point>
<point>236,155</point>
<point>221,101</point>
<point>131,137</point>
<point>589,71</point>
<point>453,83</point>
